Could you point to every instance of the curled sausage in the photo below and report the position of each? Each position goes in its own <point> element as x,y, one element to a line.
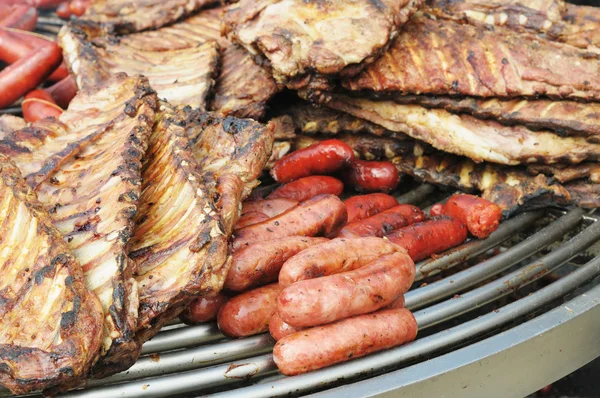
<point>308,187</point>
<point>372,176</point>
<point>249,313</point>
<point>481,216</point>
<point>37,105</point>
<point>355,337</point>
<point>260,263</point>
<point>269,207</point>
<point>363,206</point>
<point>430,237</point>
<point>327,299</point>
<point>384,223</point>
<point>333,257</point>
<point>203,309</point>
<point>21,17</point>
<point>323,215</point>
<point>325,157</point>
<point>63,91</point>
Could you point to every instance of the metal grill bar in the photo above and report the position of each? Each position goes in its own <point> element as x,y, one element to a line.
<point>417,195</point>
<point>183,337</point>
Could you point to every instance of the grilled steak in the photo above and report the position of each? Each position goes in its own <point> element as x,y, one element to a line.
<point>51,326</point>
<point>9,124</point>
<point>583,28</point>
<point>306,42</point>
<point>183,76</point>
<point>91,188</point>
<point>480,140</point>
<point>443,57</point>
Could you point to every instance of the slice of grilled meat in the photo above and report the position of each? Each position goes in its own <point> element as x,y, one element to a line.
<point>583,28</point>
<point>51,327</point>
<point>179,245</point>
<point>584,194</point>
<point>183,76</point>
<point>566,173</point>
<point>443,57</point>
<point>480,140</point>
<point>9,124</point>
<point>306,42</point>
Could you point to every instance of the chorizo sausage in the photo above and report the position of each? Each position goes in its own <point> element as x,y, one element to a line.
<point>203,309</point>
<point>333,257</point>
<point>279,329</point>
<point>251,218</point>
<point>260,263</point>
<point>481,216</point>
<point>323,215</point>
<point>21,17</point>
<point>308,187</point>
<point>269,207</point>
<point>63,91</point>
<point>360,207</point>
<point>249,313</point>
<point>433,236</point>
<point>383,223</point>
<point>325,157</point>
<point>373,176</point>
<point>327,299</point>
<point>38,104</point>
<point>322,346</point>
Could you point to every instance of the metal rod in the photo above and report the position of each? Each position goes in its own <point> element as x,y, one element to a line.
<point>183,337</point>
<point>416,195</point>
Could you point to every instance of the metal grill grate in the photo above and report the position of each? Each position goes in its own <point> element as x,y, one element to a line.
<point>468,297</point>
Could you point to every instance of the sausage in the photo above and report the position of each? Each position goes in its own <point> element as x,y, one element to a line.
<point>325,157</point>
<point>249,313</point>
<point>27,73</point>
<point>203,309</point>
<point>251,218</point>
<point>383,223</point>
<point>333,257</point>
<point>38,104</point>
<point>64,91</point>
<point>372,176</point>
<point>481,216</point>
<point>21,17</point>
<point>323,215</point>
<point>327,299</point>
<point>363,206</point>
<point>64,10</point>
<point>259,264</point>
<point>355,337</point>
<point>269,207</point>
<point>434,236</point>
<point>307,187</point>
<point>78,7</point>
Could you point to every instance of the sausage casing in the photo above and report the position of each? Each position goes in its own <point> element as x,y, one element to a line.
<point>308,187</point>
<point>269,207</point>
<point>373,176</point>
<point>481,216</point>
<point>360,207</point>
<point>203,309</point>
<point>383,223</point>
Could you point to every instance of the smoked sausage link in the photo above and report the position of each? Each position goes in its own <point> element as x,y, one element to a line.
<point>481,216</point>
<point>360,207</point>
<point>203,309</point>
<point>308,187</point>
<point>269,207</point>
<point>372,176</point>
<point>279,329</point>
<point>383,223</point>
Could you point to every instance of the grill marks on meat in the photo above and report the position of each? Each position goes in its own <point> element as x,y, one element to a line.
<point>183,76</point>
<point>442,57</point>
<point>179,245</point>
<point>306,42</point>
<point>583,28</point>
<point>51,325</point>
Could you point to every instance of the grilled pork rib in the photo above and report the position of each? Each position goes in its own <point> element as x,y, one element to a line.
<point>583,28</point>
<point>51,327</point>
<point>443,57</point>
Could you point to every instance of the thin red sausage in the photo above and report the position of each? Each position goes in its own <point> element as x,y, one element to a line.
<point>249,313</point>
<point>325,157</point>
<point>203,309</point>
<point>430,237</point>
<point>363,206</point>
<point>372,176</point>
<point>38,104</point>
<point>307,187</point>
<point>279,329</point>
<point>27,73</point>
<point>64,10</point>
<point>384,223</point>
<point>260,263</point>
<point>333,257</point>
<point>323,215</point>
<point>63,91</point>
<point>323,346</point>
<point>327,299</point>
<point>250,218</point>
<point>270,207</point>
<point>78,7</point>
<point>481,216</point>
<point>21,17</point>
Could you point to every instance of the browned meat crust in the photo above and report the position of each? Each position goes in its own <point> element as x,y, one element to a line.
<point>9,124</point>
<point>51,326</point>
<point>583,28</point>
<point>443,57</point>
<point>563,117</point>
<point>566,173</point>
<point>298,39</point>
<point>584,194</point>
<point>480,140</point>
<point>183,76</point>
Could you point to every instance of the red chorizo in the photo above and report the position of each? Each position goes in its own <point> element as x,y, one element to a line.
<point>269,207</point>
<point>21,17</point>
<point>38,104</point>
<point>481,216</point>
<point>327,299</point>
<point>383,223</point>
<point>63,91</point>
<point>64,10</point>
<point>203,309</point>
<point>333,257</point>
<point>249,313</point>
<point>430,237</point>
<point>325,157</point>
<point>260,263</point>
<point>308,187</point>
<point>78,7</point>
<point>372,176</point>
<point>251,218</point>
<point>323,215</point>
<point>363,206</point>
<point>323,346</point>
